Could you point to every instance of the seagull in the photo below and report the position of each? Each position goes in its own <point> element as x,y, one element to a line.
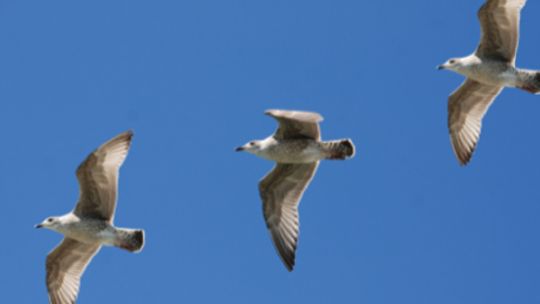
<point>488,70</point>
<point>90,225</point>
<point>296,147</point>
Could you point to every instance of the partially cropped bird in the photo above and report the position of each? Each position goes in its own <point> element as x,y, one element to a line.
<point>488,70</point>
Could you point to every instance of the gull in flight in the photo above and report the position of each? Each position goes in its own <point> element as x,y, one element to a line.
<point>90,224</point>
<point>488,70</point>
<point>296,147</point>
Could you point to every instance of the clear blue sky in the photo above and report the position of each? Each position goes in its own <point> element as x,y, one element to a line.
<point>399,223</point>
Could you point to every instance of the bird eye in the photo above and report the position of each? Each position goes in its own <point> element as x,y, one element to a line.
<point>251,143</point>
<point>49,219</point>
<point>452,61</point>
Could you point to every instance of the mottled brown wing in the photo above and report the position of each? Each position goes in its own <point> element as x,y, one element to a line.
<point>98,178</point>
<point>281,191</point>
<point>466,108</point>
<point>499,20</point>
<point>296,124</point>
<point>65,265</point>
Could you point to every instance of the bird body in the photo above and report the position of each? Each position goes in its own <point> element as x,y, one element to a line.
<point>487,71</point>
<point>84,230</point>
<point>298,151</point>
<point>494,72</point>
<point>88,230</point>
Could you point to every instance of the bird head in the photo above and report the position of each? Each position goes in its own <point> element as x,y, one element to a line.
<point>253,146</point>
<point>453,64</point>
<point>51,223</point>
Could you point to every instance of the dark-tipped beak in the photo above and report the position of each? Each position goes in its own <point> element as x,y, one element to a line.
<point>38,226</point>
<point>239,149</point>
<point>440,67</point>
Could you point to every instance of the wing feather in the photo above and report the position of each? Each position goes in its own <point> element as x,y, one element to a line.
<point>466,108</point>
<point>65,265</point>
<point>499,20</point>
<point>281,191</point>
<point>98,178</point>
<point>296,124</point>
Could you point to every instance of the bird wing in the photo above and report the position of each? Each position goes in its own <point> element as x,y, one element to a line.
<point>296,124</point>
<point>281,191</point>
<point>65,266</point>
<point>499,20</point>
<point>466,108</point>
<point>98,178</point>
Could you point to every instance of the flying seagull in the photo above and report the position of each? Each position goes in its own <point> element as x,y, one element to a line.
<point>90,224</point>
<point>296,147</point>
<point>488,70</point>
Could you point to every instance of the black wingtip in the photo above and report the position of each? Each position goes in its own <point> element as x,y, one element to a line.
<point>465,159</point>
<point>464,162</point>
<point>129,133</point>
<point>288,261</point>
<point>287,256</point>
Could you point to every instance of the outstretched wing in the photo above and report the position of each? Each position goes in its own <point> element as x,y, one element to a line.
<point>466,108</point>
<point>281,191</point>
<point>296,124</point>
<point>65,266</point>
<point>98,178</point>
<point>499,20</point>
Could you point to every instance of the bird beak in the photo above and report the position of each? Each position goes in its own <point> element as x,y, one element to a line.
<point>440,67</point>
<point>38,226</point>
<point>239,149</point>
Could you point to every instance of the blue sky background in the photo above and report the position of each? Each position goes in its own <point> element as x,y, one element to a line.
<point>399,223</point>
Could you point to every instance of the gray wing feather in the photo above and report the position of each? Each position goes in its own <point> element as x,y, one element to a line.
<point>98,178</point>
<point>65,266</point>
<point>281,191</point>
<point>499,20</point>
<point>466,108</point>
<point>296,124</point>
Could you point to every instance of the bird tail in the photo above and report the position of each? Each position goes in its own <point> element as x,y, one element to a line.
<point>339,149</point>
<point>530,82</point>
<point>537,83</point>
<point>131,240</point>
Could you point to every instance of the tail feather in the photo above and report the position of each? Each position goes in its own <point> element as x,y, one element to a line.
<point>537,83</point>
<point>131,240</point>
<point>340,149</point>
<point>530,82</point>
